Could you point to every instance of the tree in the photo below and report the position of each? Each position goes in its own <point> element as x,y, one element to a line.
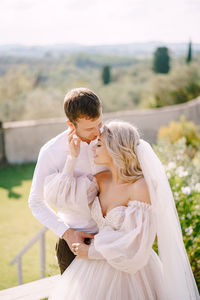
<point>189,56</point>
<point>161,60</point>
<point>106,76</point>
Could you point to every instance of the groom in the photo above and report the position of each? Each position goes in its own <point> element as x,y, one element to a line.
<point>84,114</point>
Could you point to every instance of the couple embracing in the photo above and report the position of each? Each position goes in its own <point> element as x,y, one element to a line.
<point>112,199</point>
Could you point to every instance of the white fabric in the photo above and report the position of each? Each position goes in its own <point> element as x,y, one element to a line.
<point>122,264</point>
<point>97,280</point>
<point>51,159</point>
<point>125,241</point>
<point>177,271</point>
<point>126,236</point>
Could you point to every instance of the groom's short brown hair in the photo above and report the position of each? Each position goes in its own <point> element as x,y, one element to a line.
<point>81,103</point>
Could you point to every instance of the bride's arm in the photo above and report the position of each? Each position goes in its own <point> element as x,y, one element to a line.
<point>74,151</point>
<point>62,189</point>
<point>129,248</point>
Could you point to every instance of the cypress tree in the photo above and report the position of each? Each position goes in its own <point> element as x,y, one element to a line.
<point>106,77</point>
<point>189,56</point>
<point>161,60</point>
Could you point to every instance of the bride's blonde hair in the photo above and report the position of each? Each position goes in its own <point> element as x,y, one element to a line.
<point>121,139</point>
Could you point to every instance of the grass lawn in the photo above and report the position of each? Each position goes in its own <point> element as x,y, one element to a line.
<point>18,226</point>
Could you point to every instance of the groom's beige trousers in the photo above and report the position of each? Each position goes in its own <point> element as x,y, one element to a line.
<point>64,254</point>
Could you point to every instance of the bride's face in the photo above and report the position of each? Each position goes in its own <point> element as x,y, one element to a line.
<point>101,155</point>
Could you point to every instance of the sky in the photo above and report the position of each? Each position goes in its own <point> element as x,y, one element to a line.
<point>96,22</point>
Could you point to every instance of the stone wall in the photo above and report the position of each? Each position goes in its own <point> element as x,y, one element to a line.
<point>2,147</point>
<point>22,140</point>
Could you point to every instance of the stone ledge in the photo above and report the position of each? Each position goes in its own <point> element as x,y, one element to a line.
<point>34,290</point>
<point>24,139</point>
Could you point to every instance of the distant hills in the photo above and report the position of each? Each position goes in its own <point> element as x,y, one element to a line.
<point>134,49</point>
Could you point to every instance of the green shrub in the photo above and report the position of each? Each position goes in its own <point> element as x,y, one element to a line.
<point>179,129</point>
<point>181,85</point>
<point>183,175</point>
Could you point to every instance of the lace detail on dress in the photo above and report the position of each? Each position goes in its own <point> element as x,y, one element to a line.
<point>114,216</point>
<point>139,204</point>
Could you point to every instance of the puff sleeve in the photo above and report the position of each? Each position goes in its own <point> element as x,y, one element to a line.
<point>129,248</point>
<point>63,190</point>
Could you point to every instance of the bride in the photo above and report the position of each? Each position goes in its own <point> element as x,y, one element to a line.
<point>132,203</point>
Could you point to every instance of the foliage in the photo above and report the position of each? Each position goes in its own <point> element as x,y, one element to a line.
<point>28,83</point>
<point>189,56</point>
<point>183,175</point>
<point>181,85</point>
<point>179,129</point>
<point>106,76</point>
<point>161,60</point>
<point>50,78</point>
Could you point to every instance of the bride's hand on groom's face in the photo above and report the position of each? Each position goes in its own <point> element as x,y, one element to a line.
<point>74,143</point>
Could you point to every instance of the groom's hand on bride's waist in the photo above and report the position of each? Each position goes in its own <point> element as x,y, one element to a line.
<point>73,236</point>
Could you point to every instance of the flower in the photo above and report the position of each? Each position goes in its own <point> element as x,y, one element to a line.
<point>186,190</point>
<point>171,165</point>
<point>197,187</point>
<point>181,172</point>
<point>189,230</point>
<point>168,175</point>
<point>188,216</point>
<point>176,195</point>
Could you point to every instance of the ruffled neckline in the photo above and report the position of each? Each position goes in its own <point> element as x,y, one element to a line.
<point>123,207</point>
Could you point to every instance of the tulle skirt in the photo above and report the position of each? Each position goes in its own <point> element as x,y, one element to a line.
<point>88,279</point>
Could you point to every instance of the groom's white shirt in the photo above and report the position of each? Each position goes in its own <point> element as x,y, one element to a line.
<point>51,159</point>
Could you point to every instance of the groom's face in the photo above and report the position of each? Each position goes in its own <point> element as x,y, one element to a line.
<point>89,129</point>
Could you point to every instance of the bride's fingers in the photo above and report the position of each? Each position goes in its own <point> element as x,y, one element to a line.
<point>71,130</point>
<point>71,133</point>
<point>76,143</point>
<point>73,139</point>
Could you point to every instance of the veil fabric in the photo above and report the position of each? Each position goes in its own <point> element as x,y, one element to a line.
<point>177,272</point>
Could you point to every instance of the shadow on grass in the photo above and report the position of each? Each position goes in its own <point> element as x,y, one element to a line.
<point>13,175</point>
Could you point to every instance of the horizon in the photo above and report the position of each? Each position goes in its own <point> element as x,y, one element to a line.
<point>93,45</point>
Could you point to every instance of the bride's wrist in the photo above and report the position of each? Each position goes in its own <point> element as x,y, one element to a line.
<point>71,156</point>
<point>69,165</point>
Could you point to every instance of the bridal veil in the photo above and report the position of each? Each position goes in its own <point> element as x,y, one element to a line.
<point>177,272</point>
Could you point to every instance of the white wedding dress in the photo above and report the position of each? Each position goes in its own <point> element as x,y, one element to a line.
<point>121,263</point>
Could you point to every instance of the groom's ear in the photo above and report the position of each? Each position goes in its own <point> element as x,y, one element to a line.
<point>70,124</point>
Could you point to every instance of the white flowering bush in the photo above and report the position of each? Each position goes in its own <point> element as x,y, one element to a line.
<point>184,177</point>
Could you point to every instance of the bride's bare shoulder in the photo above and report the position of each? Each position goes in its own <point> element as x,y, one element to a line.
<point>139,191</point>
<point>102,176</point>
